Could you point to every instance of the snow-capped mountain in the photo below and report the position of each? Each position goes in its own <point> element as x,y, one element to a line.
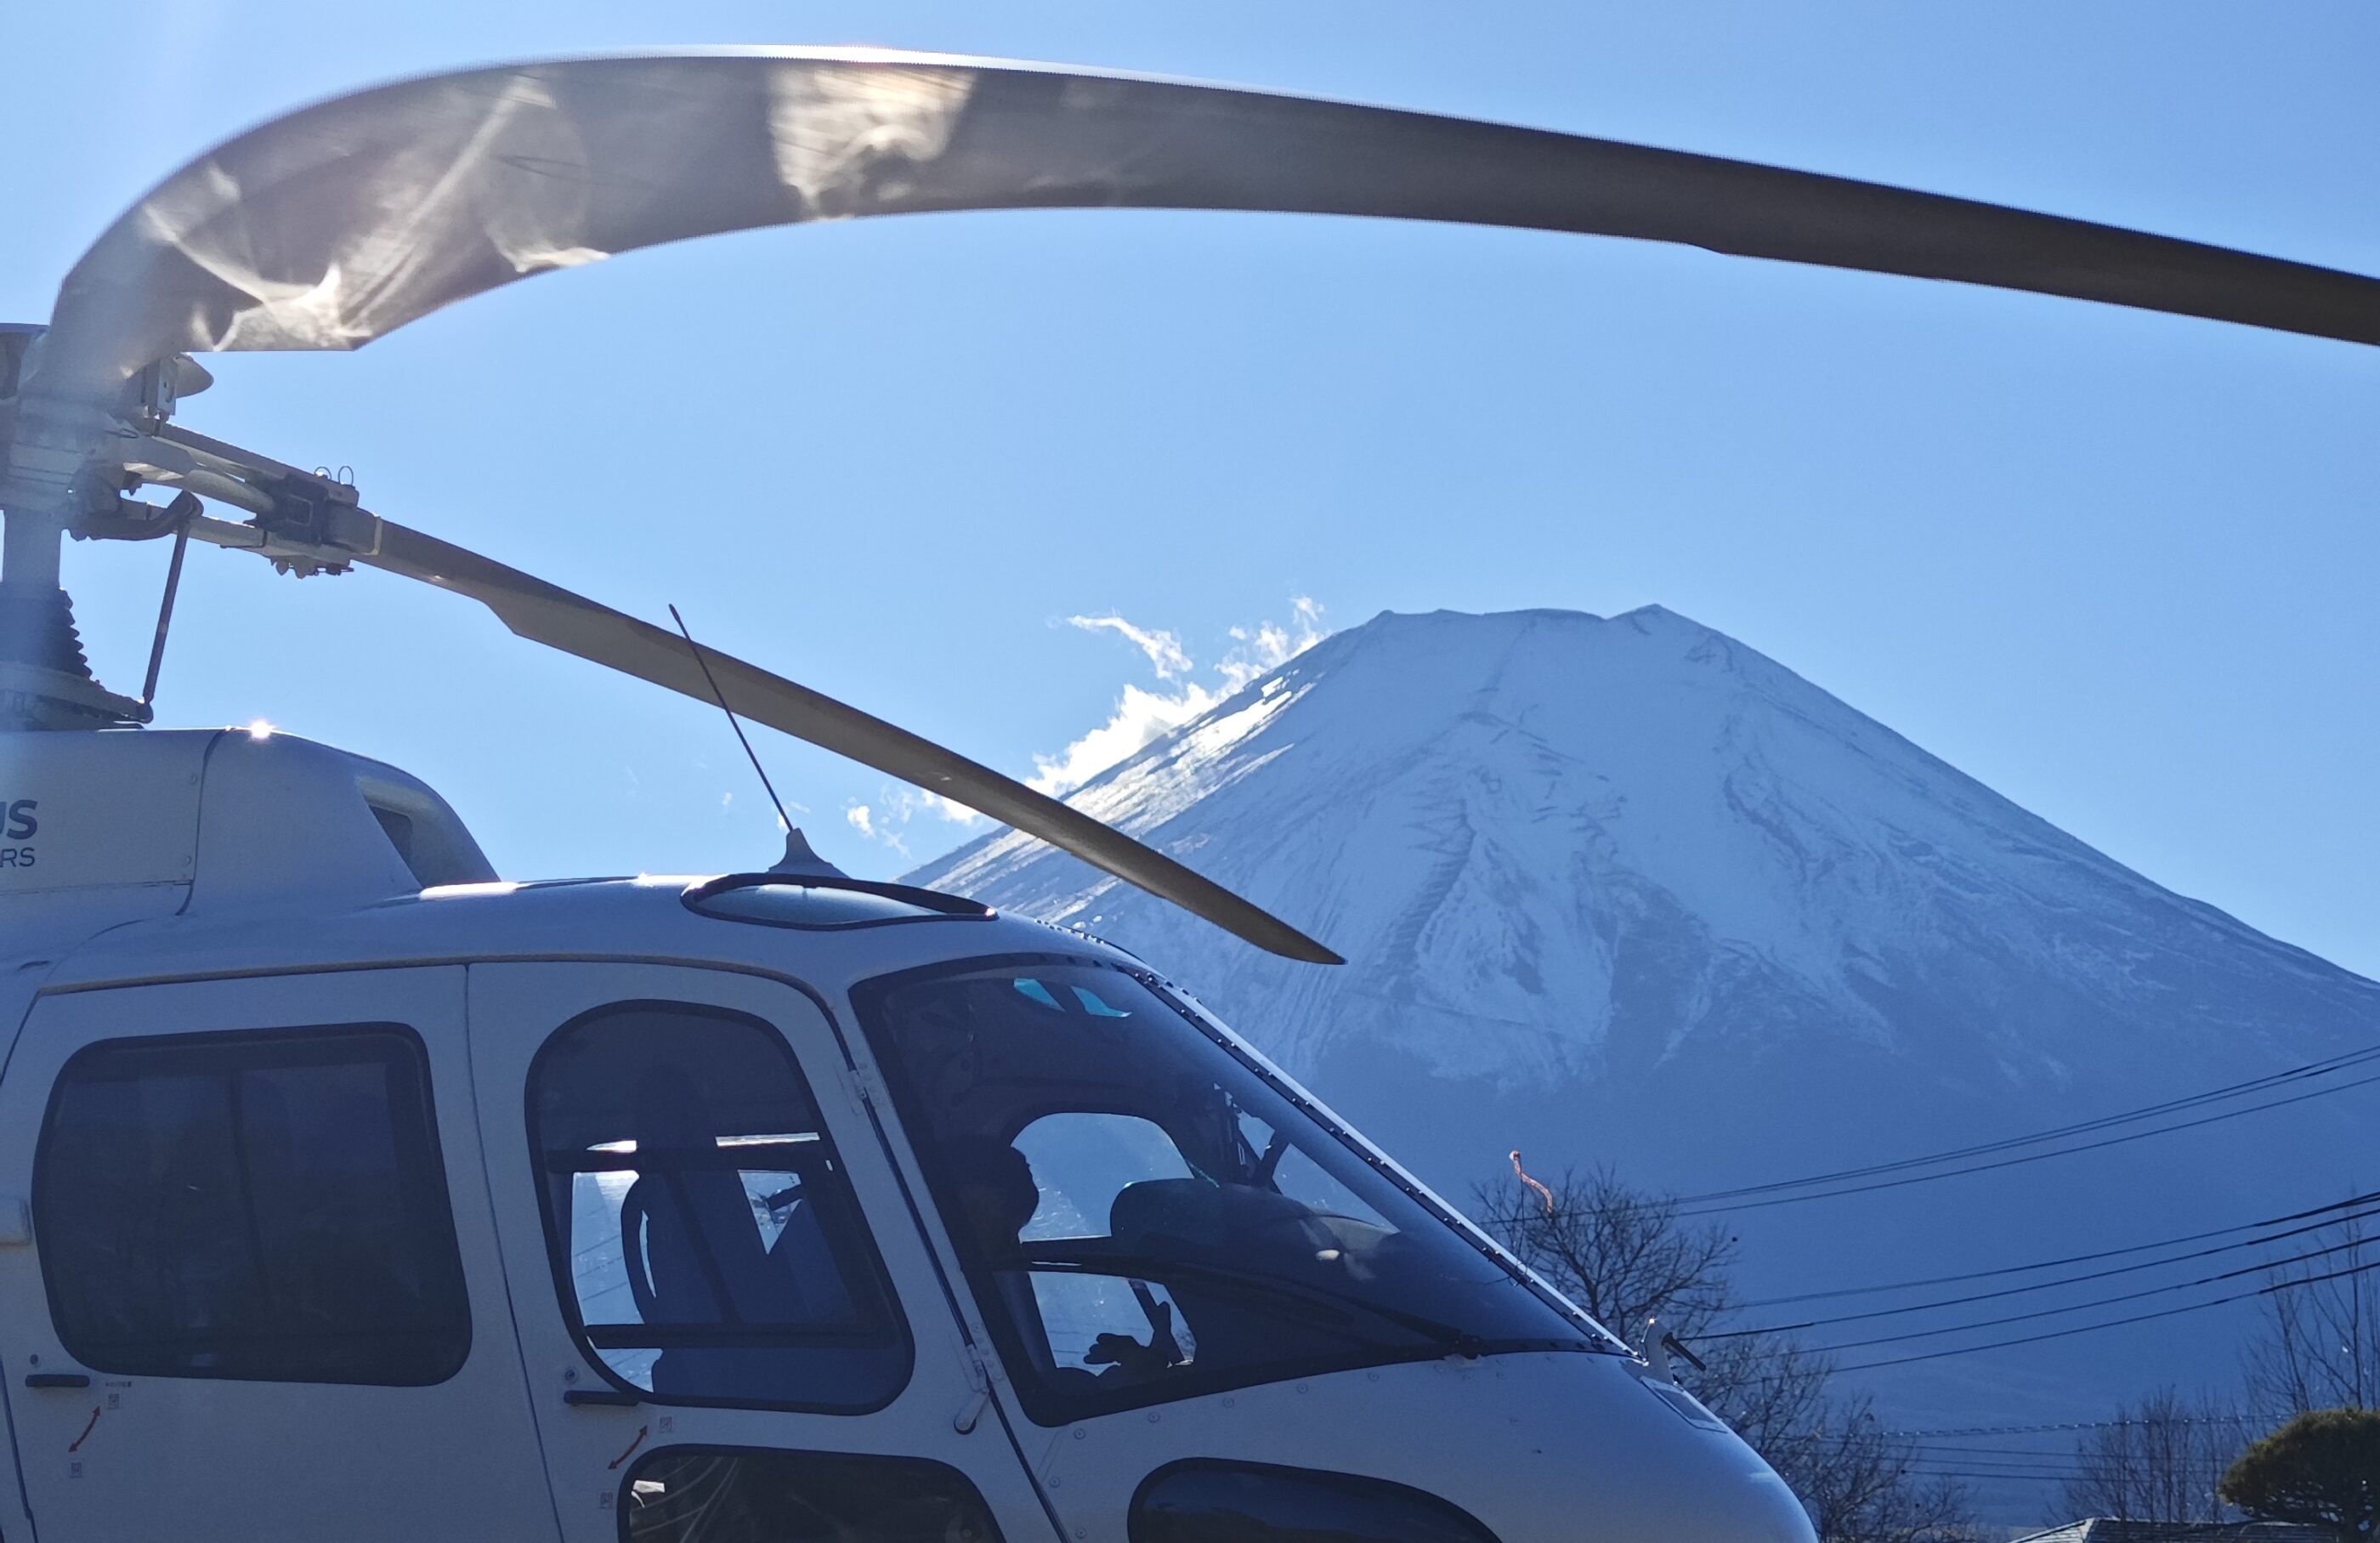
<point>1626,891</point>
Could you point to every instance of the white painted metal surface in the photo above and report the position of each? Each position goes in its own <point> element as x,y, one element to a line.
<point>96,828</point>
<point>312,915</point>
<point>216,1459</point>
<point>112,810</point>
<point>514,1010</point>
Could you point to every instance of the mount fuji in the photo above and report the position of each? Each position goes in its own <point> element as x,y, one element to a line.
<point>1625,891</point>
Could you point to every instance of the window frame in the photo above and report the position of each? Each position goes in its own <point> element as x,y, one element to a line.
<point>432,1173</point>
<point>862,1235</point>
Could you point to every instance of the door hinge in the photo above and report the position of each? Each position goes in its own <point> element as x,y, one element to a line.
<point>980,1376</point>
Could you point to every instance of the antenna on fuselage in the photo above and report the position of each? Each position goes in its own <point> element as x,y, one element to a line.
<point>798,857</point>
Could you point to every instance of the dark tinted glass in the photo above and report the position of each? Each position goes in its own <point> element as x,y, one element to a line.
<point>1233,1502</point>
<point>681,1496</point>
<point>792,905</point>
<point>705,1236</point>
<point>1144,1217</point>
<point>268,1206</point>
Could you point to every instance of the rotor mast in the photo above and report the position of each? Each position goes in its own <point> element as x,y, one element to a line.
<point>46,679</point>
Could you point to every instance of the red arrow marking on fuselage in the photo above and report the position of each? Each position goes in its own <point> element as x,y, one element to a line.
<point>632,1446</point>
<point>85,1432</point>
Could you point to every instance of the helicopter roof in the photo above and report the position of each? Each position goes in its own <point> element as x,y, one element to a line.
<point>187,853</point>
<point>646,916</point>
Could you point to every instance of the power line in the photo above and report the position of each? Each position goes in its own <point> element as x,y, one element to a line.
<point>1951,1450</point>
<point>1964,1431</point>
<point>2030,1157</point>
<point>2071,1281</point>
<point>2092,1329</point>
<point>2019,1478</point>
<point>2365,1198</point>
<point>2095,1302</point>
<point>2111,1323</point>
<point>2271,1079</point>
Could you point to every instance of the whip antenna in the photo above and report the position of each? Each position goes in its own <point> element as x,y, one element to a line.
<point>734,723</point>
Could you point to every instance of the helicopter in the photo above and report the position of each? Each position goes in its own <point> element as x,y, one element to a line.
<point>349,1189</point>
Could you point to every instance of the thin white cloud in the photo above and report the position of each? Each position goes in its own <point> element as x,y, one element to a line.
<point>1268,646</point>
<point>888,819</point>
<point>908,802</point>
<point>1142,715</point>
<point>1164,650</point>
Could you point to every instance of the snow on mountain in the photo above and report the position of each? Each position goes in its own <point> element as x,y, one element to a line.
<point>1628,890</point>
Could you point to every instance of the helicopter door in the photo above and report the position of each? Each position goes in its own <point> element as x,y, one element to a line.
<point>260,1298</point>
<point>732,1326</point>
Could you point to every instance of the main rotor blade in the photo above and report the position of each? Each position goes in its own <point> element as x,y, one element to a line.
<point>555,616</point>
<point>341,221</point>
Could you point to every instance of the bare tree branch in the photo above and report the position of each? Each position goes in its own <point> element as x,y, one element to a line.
<point>1627,1258</point>
<point>2161,1460</point>
<point>2320,1348</point>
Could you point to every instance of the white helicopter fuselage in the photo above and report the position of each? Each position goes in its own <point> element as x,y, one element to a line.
<point>339,1198</point>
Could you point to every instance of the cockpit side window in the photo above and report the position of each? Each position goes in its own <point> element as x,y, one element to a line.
<point>705,1238</point>
<point>1144,1216</point>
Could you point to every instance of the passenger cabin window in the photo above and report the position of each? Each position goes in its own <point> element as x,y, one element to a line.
<point>688,1495</point>
<point>270,1206</point>
<point>705,1238</point>
<point>1201,1501</point>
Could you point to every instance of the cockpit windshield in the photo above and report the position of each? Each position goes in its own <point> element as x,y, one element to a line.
<point>1145,1215</point>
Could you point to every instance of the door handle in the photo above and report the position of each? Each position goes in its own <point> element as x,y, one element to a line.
<point>57,1379</point>
<point>600,1398</point>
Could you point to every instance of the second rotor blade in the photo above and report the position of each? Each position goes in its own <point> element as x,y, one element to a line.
<point>548,614</point>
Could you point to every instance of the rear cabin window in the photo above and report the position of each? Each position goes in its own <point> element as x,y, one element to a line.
<point>706,1241</point>
<point>268,1206</point>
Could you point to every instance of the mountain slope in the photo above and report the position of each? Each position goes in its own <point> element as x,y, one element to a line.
<point>1628,890</point>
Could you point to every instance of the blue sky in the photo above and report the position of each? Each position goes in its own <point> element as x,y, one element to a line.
<point>2119,567</point>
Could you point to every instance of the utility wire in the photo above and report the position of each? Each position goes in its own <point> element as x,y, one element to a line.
<point>2030,1157</point>
<point>2111,1323</point>
<point>2273,1079</point>
<point>2095,1327</point>
<point>2072,1280</point>
<point>2351,1201</point>
<point>1951,1450</point>
<point>2016,1478</point>
<point>2257,1268</point>
<point>1960,1432</point>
